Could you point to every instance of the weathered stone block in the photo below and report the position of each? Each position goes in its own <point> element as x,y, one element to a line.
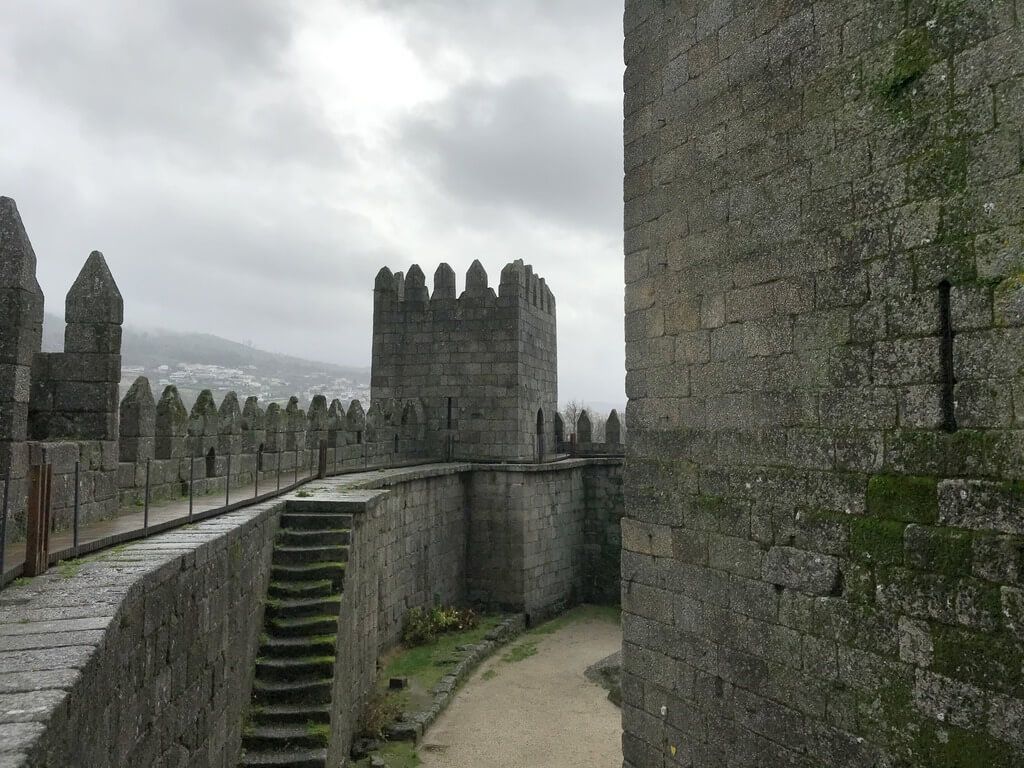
<point>807,572</point>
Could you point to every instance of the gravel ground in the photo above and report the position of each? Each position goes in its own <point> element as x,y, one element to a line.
<point>537,712</point>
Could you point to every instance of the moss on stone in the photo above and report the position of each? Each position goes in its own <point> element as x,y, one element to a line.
<point>911,59</point>
<point>942,169</point>
<point>941,746</point>
<point>858,583</point>
<point>986,659</point>
<point>877,541</point>
<point>939,550</point>
<point>907,498</point>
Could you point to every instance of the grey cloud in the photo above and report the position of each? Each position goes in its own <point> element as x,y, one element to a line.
<point>527,144</point>
<point>197,78</point>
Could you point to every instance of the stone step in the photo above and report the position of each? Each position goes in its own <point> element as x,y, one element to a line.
<point>314,521</point>
<point>282,738</point>
<point>296,590</point>
<point>286,608</point>
<point>305,692</point>
<point>298,647</point>
<point>299,669</point>
<point>290,714</point>
<point>314,758</point>
<point>310,555</point>
<point>335,572</point>
<point>304,626</point>
<point>324,505</point>
<point>307,537</point>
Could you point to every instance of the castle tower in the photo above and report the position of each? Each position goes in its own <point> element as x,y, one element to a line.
<point>483,364</point>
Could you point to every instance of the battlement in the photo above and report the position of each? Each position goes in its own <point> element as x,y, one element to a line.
<point>519,284</point>
<point>483,362</point>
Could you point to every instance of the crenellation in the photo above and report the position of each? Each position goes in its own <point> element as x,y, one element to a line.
<point>229,431</point>
<point>172,425</point>
<point>416,286</point>
<point>444,283</point>
<point>137,436</point>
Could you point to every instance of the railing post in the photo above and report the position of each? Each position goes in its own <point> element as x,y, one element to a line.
<point>321,469</point>
<point>191,480</point>
<point>296,464</point>
<point>227,484</point>
<point>3,525</point>
<point>37,545</point>
<point>74,542</point>
<point>145,503</point>
<point>279,455</point>
<point>259,464</point>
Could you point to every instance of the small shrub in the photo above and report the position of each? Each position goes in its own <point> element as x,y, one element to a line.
<point>380,711</point>
<point>422,626</point>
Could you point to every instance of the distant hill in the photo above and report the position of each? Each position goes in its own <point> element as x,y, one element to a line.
<point>194,361</point>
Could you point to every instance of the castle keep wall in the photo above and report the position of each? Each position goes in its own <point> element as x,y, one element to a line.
<point>823,248</point>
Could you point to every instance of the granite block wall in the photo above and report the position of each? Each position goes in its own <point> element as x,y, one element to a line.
<point>602,539</point>
<point>533,534</point>
<point>141,655</point>
<point>823,249</point>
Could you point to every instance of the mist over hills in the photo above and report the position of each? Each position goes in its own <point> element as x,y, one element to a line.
<point>197,361</point>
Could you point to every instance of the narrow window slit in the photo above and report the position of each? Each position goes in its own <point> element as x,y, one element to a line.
<point>946,359</point>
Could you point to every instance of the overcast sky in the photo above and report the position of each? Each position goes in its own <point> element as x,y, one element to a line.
<point>247,166</point>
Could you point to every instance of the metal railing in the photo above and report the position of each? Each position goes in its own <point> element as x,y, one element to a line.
<point>83,543</point>
<point>304,470</point>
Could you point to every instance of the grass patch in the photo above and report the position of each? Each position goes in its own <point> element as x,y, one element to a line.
<point>520,651</point>
<point>68,569</point>
<point>427,664</point>
<point>304,494</point>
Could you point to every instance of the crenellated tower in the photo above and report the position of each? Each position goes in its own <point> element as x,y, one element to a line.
<point>484,364</point>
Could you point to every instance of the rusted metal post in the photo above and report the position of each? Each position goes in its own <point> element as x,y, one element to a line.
<point>191,479</point>
<point>321,470</point>
<point>227,484</point>
<point>3,525</point>
<point>74,541</point>
<point>259,466</point>
<point>37,549</point>
<point>296,467</point>
<point>279,454</point>
<point>145,501</point>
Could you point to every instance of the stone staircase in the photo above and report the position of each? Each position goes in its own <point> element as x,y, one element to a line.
<point>289,722</point>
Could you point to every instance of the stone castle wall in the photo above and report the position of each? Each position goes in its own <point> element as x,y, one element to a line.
<point>484,364</point>
<point>145,657</point>
<point>162,633</point>
<point>822,554</point>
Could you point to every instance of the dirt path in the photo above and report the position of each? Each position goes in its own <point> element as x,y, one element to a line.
<point>534,711</point>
